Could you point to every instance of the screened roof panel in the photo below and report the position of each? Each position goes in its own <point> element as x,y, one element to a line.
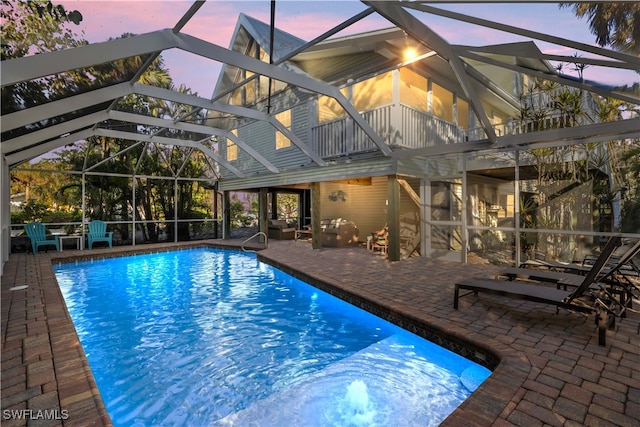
<point>55,120</point>
<point>58,86</point>
<point>77,93</point>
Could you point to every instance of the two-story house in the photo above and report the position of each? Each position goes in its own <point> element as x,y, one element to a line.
<point>462,196</point>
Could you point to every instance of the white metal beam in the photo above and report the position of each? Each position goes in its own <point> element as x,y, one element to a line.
<point>35,66</point>
<point>23,69</point>
<point>40,149</point>
<point>218,53</point>
<point>554,77</point>
<point>501,50</point>
<point>197,101</point>
<point>36,137</point>
<point>619,130</point>
<point>124,150</point>
<point>395,13</point>
<point>168,141</point>
<point>421,6</point>
<point>84,100</point>
<point>611,131</point>
<point>63,106</point>
<point>190,127</point>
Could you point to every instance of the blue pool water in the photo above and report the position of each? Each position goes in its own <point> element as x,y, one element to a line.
<point>209,337</point>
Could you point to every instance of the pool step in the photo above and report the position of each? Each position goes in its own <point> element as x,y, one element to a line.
<point>386,379</point>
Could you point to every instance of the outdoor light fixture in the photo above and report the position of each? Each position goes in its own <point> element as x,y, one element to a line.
<point>410,53</point>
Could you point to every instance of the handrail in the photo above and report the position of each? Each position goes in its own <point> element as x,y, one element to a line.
<point>266,239</point>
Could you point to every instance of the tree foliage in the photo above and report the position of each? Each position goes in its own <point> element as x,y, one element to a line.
<point>34,27</point>
<point>30,28</point>
<point>615,24</point>
<point>39,27</point>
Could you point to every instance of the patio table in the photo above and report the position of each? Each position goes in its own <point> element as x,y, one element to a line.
<point>77,238</point>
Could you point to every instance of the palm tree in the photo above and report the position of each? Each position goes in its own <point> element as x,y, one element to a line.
<point>615,24</point>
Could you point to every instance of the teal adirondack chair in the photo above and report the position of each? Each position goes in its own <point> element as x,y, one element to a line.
<point>38,235</point>
<point>98,233</point>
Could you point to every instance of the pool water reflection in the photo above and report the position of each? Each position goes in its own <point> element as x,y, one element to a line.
<point>215,337</point>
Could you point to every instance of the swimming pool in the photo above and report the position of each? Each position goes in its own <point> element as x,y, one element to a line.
<point>215,337</point>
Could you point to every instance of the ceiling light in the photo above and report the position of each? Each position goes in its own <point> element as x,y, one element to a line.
<point>410,53</point>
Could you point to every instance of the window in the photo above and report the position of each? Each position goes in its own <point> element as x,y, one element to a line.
<point>413,89</point>
<point>442,103</point>
<point>373,93</point>
<point>232,148</point>
<point>281,140</point>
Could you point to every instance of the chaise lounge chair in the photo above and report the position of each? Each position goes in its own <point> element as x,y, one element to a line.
<point>618,267</point>
<point>98,233</point>
<point>570,300</point>
<point>37,233</point>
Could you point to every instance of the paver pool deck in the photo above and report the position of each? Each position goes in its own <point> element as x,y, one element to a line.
<point>551,370</point>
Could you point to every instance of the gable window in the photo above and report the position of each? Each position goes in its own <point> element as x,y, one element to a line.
<point>232,148</point>
<point>281,140</point>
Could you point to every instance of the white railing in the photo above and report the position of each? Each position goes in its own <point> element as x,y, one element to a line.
<point>420,130</point>
<point>402,126</point>
<point>398,125</point>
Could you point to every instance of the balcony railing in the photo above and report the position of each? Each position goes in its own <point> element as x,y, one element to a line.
<point>402,126</point>
<point>398,125</point>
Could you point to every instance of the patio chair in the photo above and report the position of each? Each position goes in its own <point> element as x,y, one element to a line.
<point>618,268</point>
<point>98,233</point>
<point>37,233</point>
<point>622,279</point>
<point>570,300</point>
<point>380,241</point>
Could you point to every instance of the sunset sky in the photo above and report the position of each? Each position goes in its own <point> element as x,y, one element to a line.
<point>307,19</point>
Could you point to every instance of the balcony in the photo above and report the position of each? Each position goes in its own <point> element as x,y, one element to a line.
<point>404,127</point>
<point>397,124</point>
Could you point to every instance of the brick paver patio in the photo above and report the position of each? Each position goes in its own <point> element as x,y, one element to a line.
<point>551,370</point>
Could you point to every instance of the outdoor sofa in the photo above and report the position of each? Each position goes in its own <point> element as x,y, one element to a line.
<point>279,229</point>
<point>339,233</point>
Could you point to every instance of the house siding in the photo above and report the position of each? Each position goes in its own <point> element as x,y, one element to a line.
<point>365,205</point>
